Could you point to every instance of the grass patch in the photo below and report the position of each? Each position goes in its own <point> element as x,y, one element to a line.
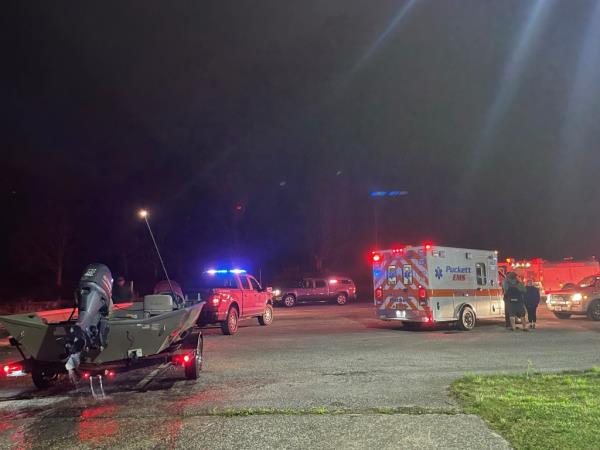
<point>537,411</point>
<point>243,412</point>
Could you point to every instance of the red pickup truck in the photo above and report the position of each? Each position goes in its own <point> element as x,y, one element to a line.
<point>232,295</point>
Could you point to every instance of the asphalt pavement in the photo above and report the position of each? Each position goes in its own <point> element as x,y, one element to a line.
<point>320,376</point>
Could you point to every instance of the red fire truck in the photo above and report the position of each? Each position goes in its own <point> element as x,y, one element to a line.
<point>551,276</point>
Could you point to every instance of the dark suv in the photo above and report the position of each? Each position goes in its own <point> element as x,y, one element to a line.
<point>315,289</point>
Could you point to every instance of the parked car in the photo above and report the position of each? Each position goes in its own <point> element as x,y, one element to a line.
<point>334,288</point>
<point>582,299</point>
<point>233,295</point>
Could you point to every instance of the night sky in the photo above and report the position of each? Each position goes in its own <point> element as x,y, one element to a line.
<point>253,131</point>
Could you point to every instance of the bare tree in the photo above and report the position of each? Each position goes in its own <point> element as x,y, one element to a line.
<point>44,243</point>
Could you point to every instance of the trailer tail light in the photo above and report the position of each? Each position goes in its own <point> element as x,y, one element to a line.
<point>182,359</point>
<point>12,370</point>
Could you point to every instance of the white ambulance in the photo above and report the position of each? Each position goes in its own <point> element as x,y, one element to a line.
<point>428,284</point>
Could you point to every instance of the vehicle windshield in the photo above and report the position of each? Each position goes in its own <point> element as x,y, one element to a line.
<point>587,281</point>
<point>218,281</point>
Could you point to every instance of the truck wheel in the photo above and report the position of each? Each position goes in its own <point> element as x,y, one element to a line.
<point>192,368</point>
<point>43,377</point>
<point>562,316</point>
<point>594,310</point>
<point>466,319</point>
<point>341,298</point>
<point>267,317</point>
<point>289,300</point>
<point>230,325</point>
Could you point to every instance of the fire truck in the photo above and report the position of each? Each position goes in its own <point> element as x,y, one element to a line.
<point>551,276</point>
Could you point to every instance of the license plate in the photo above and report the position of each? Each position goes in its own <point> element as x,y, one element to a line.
<point>558,308</point>
<point>401,314</point>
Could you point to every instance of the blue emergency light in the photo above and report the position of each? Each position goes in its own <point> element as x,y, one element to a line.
<point>224,271</point>
<point>388,194</point>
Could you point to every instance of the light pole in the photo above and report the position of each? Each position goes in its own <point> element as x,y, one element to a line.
<point>144,215</point>
<point>378,197</point>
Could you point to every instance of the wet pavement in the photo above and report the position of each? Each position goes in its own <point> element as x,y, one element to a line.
<point>321,377</point>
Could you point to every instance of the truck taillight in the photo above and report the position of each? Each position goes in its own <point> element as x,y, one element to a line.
<point>215,300</point>
<point>376,257</point>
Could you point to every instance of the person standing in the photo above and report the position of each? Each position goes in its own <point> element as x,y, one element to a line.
<point>532,300</point>
<point>122,291</point>
<point>514,293</point>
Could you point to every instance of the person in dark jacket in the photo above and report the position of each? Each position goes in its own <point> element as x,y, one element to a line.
<point>122,291</point>
<point>514,301</point>
<point>532,300</point>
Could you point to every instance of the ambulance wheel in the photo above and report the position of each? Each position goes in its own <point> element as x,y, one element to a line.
<point>192,368</point>
<point>43,377</point>
<point>594,310</point>
<point>289,300</point>
<point>230,325</point>
<point>466,320</point>
<point>562,316</point>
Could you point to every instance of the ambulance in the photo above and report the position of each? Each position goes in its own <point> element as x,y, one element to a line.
<point>430,284</point>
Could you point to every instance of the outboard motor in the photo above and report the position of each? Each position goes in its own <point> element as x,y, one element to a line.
<point>94,297</point>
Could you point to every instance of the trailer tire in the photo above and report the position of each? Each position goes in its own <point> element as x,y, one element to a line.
<point>42,377</point>
<point>562,315</point>
<point>192,370</point>
<point>230,325</point>
<point>267,317</point>
<point>593,311</point>
<point>466,319</point>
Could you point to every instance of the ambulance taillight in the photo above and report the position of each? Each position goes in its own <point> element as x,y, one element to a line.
<point>422,296</point>
<point>378,293</point>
